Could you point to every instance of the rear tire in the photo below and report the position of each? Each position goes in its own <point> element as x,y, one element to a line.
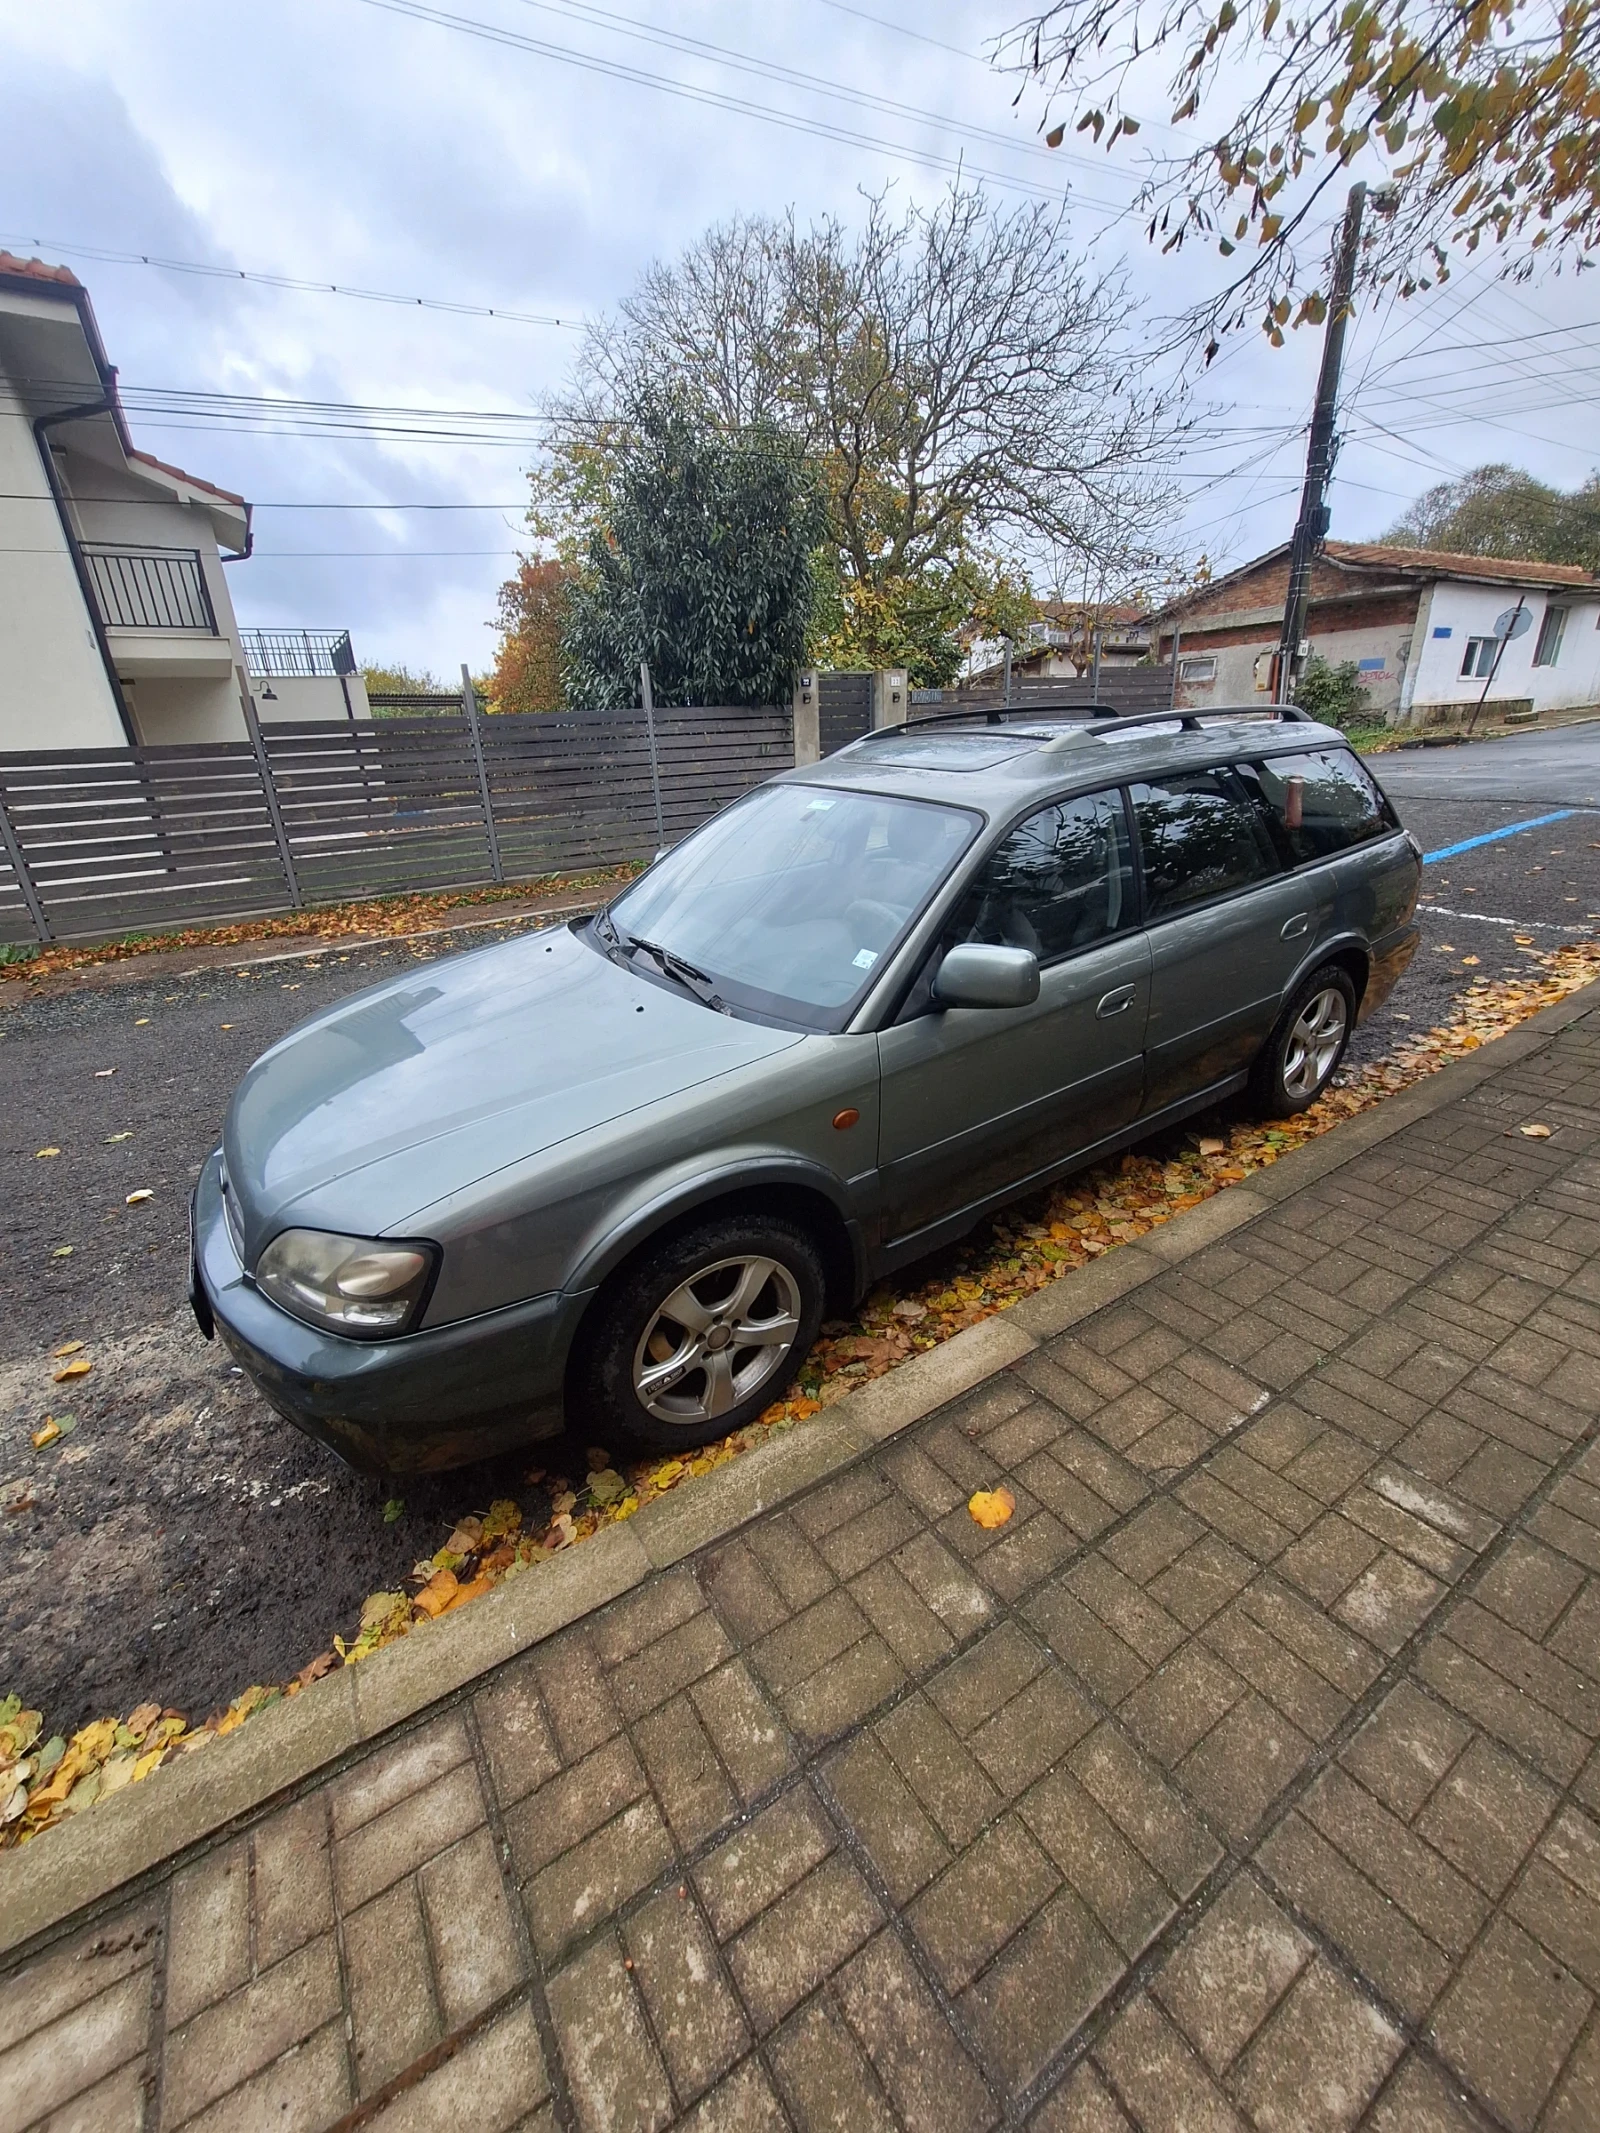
<point>1303,1053</point>
<point>700,1333</point>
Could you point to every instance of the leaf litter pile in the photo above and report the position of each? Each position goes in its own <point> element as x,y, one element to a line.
<point>1007,1258</point>
<point>377,918</point>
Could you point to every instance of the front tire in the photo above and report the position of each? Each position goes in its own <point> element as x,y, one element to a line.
<point>1303,1053</point>
<point>698,1334</point>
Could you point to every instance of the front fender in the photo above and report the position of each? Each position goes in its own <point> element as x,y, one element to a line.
<point>687,1187</point>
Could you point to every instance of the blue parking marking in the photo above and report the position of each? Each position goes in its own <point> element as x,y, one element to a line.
<point>1512,829</point>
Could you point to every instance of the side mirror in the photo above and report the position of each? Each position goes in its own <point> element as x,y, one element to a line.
<point>976,976</point>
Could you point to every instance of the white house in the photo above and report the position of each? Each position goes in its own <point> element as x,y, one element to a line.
<point>1420,625</point>
<point>116,618</point>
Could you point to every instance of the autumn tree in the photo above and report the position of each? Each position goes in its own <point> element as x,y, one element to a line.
<point>1485,117</point>
<point>967,387</point>
<point>1501,511</point>
<point>400,681</point>
<point>534,610</point>
<point>700,565</point>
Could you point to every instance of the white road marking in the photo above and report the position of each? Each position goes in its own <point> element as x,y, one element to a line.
<point>1517,925</point>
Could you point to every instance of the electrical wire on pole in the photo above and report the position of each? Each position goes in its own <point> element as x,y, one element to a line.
<point>1312,525</point>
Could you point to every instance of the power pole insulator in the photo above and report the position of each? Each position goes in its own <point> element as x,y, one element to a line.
<point>1311,528</point>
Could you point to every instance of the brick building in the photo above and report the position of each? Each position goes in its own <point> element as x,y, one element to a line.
<point>1419,625</point>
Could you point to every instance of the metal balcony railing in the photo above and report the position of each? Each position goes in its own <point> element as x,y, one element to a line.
<point>150,588</point>
<point>283,654</point>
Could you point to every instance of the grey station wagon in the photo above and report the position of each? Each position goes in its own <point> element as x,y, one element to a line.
<point>618,1171</point>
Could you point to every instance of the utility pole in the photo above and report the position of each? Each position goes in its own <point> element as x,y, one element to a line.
<point>1312,524</point>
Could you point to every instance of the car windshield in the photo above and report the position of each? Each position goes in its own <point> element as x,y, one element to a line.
<point>784,904</point>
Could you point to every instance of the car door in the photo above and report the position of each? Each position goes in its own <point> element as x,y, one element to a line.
<point>1227,925</point>
<point>975,1100</point>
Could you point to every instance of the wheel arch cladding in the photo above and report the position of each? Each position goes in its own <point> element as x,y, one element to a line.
<point>807,1207</point>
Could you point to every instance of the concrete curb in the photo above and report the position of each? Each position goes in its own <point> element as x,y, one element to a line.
<point>82,1862</point>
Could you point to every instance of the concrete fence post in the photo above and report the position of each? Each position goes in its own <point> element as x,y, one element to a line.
<point>807,721</point>
<point>469,704</point>
<point>890,697</point>
<point>269,791</point>
<point>12,844</point>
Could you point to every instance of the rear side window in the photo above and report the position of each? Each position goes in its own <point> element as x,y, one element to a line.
<point>1200,835</point>
<point>1061,880</point>
<point>1321,804</point>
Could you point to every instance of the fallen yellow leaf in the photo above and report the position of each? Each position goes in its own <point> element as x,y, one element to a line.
<point>134,1198</point>
<point>79,1369</point>
<point>438,1593</point>
<point>47,1435</point>
<point>67,1348</point>
<point>992,1507</point>
<point>41,1152</point>
<point>1535,1133</point>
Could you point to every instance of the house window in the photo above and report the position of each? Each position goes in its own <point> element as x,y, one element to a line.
<point>1478,659</point>
<point>1197,669</point>
<point>1548,650</point>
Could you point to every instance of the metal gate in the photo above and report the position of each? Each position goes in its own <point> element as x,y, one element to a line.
<point>844,709</point>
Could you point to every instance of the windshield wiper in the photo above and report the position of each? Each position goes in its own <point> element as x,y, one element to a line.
<point>682,973</point>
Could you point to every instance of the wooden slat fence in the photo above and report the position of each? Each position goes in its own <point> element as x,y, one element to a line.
<point>102,841</point>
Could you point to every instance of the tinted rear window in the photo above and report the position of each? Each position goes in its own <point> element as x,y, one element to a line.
<point>1200,835</point>
<point>1321,803</point>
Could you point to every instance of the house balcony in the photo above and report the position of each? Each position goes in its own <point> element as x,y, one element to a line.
<point>156,609</point>
<point>294,655</point>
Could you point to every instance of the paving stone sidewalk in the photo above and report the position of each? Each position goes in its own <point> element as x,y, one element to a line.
<point>1248,1778</point>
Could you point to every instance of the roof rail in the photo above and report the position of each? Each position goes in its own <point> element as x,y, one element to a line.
<point>1093,719</point>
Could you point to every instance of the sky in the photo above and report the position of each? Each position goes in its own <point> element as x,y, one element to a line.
<point>531,157</point>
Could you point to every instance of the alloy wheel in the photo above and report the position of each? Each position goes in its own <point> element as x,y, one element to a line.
<point>716,1339</point>
<point>1315,1041</point>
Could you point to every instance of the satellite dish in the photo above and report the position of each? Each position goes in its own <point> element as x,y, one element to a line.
<point>1513,622</point>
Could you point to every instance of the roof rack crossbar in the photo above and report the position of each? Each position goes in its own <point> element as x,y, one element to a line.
<point>1095,719</point>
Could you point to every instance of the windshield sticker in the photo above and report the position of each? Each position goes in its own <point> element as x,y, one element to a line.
<point>820,807</point>
<point>865,958</point>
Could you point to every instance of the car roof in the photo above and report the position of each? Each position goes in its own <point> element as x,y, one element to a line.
<point>966,760</point>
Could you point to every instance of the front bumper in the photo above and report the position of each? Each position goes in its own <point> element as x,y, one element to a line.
<point>439,1398</point>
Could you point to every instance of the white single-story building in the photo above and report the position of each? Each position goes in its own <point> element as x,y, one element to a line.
<point>1432,635</point>
<point>116,617</point>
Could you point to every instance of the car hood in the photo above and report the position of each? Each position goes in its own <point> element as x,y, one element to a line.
<point>406,1094</point>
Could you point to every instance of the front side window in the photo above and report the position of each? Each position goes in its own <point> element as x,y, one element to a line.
<point>1200,835</point>
<point>1477,661</point>
<point>787,901</point>
<point>1551,630</point>
<point>1059,881</point>
<point>1320,803</point>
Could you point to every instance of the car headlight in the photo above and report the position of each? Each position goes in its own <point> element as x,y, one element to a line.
<point>348,1284</point>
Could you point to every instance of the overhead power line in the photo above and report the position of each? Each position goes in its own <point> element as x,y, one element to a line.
<point>606,18</point>
<point>899,29</point>
<point>790,121</point>
<point>213,272</point>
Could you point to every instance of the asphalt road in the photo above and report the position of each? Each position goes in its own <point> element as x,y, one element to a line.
<point>182,1542</point>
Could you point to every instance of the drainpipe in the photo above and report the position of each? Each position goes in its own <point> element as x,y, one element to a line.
<point>103,406</point>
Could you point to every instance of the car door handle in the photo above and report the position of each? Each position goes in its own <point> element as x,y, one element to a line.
<point>1116,1003</point>
<point>1292,928</point>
